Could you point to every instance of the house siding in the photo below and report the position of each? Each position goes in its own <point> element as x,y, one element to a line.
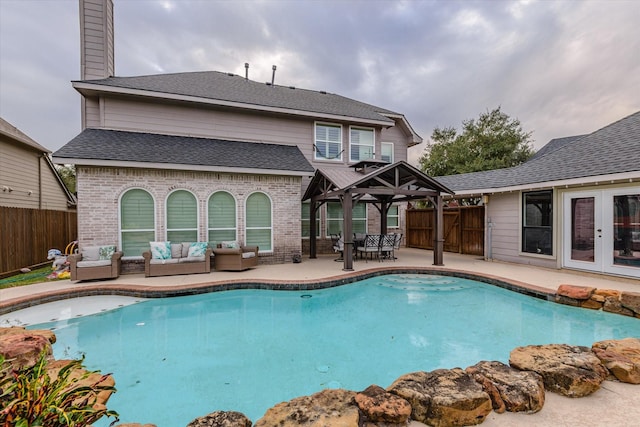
<point>96,39</point>
<point>100,190</point>
<point>24,170</point>
<point>178,119</point>
<point>503,212</point>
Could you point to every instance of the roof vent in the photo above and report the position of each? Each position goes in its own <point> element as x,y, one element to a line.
<point>246,71</point>
<point>324,92</point>
<point>292,87</point>
<point>273,75</point>
<point>230,74</point>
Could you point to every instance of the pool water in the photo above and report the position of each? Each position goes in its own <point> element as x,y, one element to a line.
<point>176,359</point>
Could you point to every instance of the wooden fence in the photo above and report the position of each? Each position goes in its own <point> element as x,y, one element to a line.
<point>463,229</point>
<point>26,235</point>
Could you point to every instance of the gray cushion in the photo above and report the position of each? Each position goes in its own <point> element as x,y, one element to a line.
<point>91,253</point>
<point>192,259</point>
<point>185,249</point>
<point>176,250</point>
<point>164,261</point>
<point>248,255</point>
<point>98,263</point>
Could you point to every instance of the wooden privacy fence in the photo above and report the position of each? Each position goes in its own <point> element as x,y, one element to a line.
<point>463,229</point>
<point>26,235</point>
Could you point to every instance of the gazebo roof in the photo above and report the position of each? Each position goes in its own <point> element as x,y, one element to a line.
<point>373,181</point>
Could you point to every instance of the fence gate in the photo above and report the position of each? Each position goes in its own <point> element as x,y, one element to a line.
<point>463,229</point>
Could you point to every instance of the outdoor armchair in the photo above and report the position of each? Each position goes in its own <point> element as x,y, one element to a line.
<point>232,256</point>
<point>95,262</point>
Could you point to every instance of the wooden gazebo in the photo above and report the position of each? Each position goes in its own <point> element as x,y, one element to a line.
<point>377,182</point>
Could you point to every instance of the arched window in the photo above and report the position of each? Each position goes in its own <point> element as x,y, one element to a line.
<point>258,223</point>
<point>221,218</point>
<point>182,217</point>
<point>137,222</point>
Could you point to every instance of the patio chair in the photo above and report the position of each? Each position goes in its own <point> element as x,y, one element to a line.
<point>232,256</point>
<point>387,246</point>
<point>338,245</point>
<point>370,246</point>
<point>95,262</point>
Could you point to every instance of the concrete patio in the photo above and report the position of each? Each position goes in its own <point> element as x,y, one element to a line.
<point>615,404</point>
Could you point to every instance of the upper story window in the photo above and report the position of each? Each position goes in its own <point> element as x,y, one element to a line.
<point>361,144</point>
<point>537,222</point>
<point>182,217</point>
<point>222,217</point>
<point>328,142</point>
<point>386,151</point>
<point>137,222</point>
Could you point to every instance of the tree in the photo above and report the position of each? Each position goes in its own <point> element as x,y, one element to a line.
<point>68,175</point>
<point>493,141</point>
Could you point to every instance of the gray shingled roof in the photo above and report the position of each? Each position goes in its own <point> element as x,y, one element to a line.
<point>112,145</point>
<point>610,150</point>
<point>229,87</point>
<point>555,144</point>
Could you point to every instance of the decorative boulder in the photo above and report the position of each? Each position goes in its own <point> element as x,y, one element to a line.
<point>378,405</point>
<point>444,397</point>
<point>510,389</point>
<point>84,378</point>
<point>330,407</point>
<point>621,358</point>
<point>572,371</point>
<point>631,301</point>
<point>222,419</point>
<point>22,348</point>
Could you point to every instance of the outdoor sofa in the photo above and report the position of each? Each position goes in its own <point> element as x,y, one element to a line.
<point>232,256</point>
<point>95,262</point>
<point>168,259</point>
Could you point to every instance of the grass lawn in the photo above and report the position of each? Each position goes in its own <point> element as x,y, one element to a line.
<point>35,276</point>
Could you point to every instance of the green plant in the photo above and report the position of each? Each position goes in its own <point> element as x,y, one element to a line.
<point>32,398</point>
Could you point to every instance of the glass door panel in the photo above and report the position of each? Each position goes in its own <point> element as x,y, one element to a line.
<point>582,229</point>
<point>626,230</point>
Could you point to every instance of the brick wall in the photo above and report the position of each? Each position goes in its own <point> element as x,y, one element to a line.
<point>100,189</point>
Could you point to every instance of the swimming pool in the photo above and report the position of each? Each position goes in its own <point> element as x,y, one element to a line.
<point>176,359</point>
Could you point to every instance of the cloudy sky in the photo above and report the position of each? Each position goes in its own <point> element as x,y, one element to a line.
<point>561,67</point>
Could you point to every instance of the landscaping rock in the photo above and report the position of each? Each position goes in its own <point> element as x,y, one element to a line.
<point>221,419</point>
<point>48,334</point>
<point>631,301</point>
<point>509,388</point>
<point>331,407</point>
<point>613,305</point>
<point>572,371</point>
<point>378,405</point>
<point>443,397</point>
<point>621,358</point>
<point>23,349</point>
<point>575,292</point>
<point>84,378</point>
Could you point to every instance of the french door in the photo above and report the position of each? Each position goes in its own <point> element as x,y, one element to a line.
<point>602,231</point>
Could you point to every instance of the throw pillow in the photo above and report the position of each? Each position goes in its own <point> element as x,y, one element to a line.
<point>91,253</point>
<point>176,250</point>
<point>106,252</point>
<point>231,244</point>
<point>160,250</point>
<point>197,249</point>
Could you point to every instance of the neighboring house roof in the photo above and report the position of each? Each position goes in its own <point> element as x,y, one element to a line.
<point>101,147</point>
<point>613,151</point>
<point>231,89</point>
<point>555,144</point>
<point>16,134</point>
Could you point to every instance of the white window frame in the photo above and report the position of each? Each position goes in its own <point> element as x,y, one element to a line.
<point>235,207</point>
<point>352,144</point>
<point>120,230</point>
<point>340,220</point>
<point>166,215</point>
<point>396,216</point>
<point>316,142</point>
<point>270,228</point>
<point>304,219</point>
<point>382,146</point>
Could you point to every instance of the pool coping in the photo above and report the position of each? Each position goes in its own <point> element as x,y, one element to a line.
<point>151,291</point>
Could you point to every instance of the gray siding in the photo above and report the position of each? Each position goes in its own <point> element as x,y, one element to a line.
<point>96,39</point>
<point>33,183</point>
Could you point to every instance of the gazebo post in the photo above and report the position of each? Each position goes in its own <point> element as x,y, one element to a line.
<point>438,247</point>
<point>384,208</point>
<point>347,230</point>
<point>312,231</point>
